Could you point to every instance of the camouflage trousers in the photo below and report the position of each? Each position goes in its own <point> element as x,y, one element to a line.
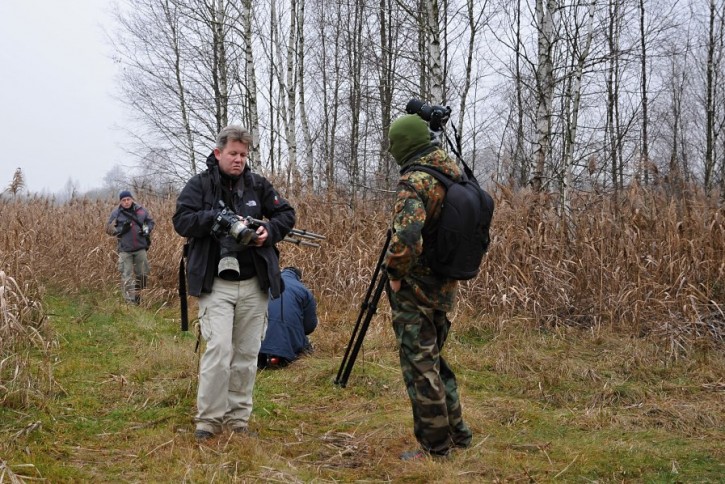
<point>421,333</point>
<point>134,268</point>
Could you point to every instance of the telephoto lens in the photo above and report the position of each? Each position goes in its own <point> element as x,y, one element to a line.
<point>242,233</point>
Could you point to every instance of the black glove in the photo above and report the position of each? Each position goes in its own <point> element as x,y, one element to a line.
<point>124,228</point>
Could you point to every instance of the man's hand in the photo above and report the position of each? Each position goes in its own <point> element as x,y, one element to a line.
<point>262,235</point>
<point>123,229</point>
<point>395,286</point>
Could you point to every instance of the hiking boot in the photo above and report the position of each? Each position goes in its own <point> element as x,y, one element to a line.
<point>462,444</point>
<point>420,454</point>
<point>202,435</point>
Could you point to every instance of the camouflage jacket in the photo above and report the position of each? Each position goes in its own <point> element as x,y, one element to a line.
<point>419,198</point>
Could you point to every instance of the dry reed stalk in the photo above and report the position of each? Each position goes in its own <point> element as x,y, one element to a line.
<point>630,266</point>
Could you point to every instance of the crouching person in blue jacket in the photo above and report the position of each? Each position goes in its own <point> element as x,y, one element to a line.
<point>292,317</point>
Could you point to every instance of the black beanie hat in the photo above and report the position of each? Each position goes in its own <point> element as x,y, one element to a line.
<point>124,194</point>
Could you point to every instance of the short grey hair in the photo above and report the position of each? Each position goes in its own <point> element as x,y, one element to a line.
<point>233,133</point>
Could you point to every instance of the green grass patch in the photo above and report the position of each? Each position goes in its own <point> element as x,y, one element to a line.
<point>544,406</point>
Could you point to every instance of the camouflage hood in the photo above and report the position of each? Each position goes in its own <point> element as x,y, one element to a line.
<point>435,157</point>
<point>409,136</point>
<point>411,144</point>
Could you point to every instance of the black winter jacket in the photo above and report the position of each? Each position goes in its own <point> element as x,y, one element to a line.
<point>253,195</point>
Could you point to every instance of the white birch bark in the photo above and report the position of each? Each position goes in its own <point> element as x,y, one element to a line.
<point>307,136</point>
<point>220,64</point>
<point>251,79</point>
<point>291,88</point>
<point>435,59</point>
<point>575,97</point>
<point>545,10</point>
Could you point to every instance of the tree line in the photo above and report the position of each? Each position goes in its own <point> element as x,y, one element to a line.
<point>561,96</point>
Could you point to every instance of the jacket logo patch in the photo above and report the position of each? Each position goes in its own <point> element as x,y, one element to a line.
<point>251,203</point>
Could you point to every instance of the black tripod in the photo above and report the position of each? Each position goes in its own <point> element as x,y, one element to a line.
<point>367,310</point>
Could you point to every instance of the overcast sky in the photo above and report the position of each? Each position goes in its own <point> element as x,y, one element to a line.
<point>58,118</point>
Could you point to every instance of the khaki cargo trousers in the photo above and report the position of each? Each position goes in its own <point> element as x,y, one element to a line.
<point>233,319</point>
<point>134,268</point>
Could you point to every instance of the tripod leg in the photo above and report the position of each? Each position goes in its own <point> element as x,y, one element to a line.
<point>363,310</point>
<point>363,329</point>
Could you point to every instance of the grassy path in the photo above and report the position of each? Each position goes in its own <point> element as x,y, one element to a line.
<point>558,406</point>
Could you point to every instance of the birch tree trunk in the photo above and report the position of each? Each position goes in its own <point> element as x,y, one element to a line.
<point>385,87</point>
<point>612,132</point>
<point>575,96</point>
<point>221,91</point>
<point>355,95</point>
<point>273,112</point>
<point>474,24</point>
<point>521,165</point>
<point>710,101</point>
<point>422,29</point>
<point>677,83</point>
<point>290,86</point>
<point>172,22</point>
<point>644,90</point>
<point>330,84</point>
<point>544,87</point>
<point>251,79</point>
<point>309,160</point>
<point>432,23</point>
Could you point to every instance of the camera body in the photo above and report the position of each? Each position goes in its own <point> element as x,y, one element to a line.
<point>435,115</point>
<point>227,222</point>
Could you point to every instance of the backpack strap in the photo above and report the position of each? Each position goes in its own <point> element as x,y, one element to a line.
<point>438,175</point>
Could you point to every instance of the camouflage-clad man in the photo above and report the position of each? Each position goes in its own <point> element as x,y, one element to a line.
<point>419,298</point>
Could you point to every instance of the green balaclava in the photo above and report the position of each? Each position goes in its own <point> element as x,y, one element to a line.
<point>408,135</point>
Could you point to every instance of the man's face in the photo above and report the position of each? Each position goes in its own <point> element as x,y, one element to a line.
<point>233,158</point>
<point>126,202</point>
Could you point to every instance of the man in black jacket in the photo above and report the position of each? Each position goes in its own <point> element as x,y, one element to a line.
<point>233,280</point>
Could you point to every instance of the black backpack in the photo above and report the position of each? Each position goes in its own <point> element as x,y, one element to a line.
<point>462,238</point>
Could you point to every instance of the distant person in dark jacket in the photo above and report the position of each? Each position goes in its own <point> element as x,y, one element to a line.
<point>291,318</point>
<point>132,225</point>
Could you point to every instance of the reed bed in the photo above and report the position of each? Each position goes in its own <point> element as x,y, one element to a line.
<point>23,329</point>
<point>645,263</point>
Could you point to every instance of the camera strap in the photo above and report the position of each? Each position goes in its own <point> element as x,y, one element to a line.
<point>182,290</point>
<point>132,215</point>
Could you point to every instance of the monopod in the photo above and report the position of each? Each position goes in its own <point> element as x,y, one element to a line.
<point>367,310</point>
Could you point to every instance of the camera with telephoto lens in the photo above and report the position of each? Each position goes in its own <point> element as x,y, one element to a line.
<point>435,115</point>
<point>226,222</point>
<point>232,233</point>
